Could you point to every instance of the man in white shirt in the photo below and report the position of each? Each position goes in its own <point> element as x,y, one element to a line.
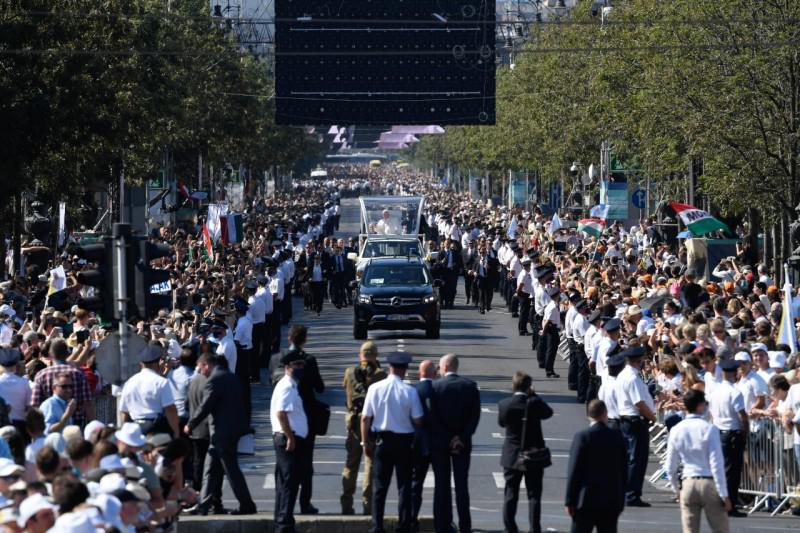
<point>696,443</point>
<point>727,408</point>
<point>147,396</point>
<point>226,346</point>
<point>608,390</point>
<point>391,410</point>
<point>551,328</point>
<point>257,314</point>
<point>636,407</point>
<point>290,437</point>
<point>524,294</point>
<point>753,388</point>
<point>14,389</point>
<point>243,340</point>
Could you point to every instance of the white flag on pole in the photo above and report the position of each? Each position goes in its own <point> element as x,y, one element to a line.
<point>512,228</point>
<point>786,332</point>
<point>62,219</point>
<point>555,225</point>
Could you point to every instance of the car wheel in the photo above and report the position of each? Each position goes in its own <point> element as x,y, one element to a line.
<point>359,332</point>
<point>432,331</point>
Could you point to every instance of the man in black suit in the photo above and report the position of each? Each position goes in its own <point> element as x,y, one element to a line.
<point>310,385</point>
<point>597,475</point>
<point>222,400</point>
<point>451,264</point>
<point>422,439</point>
<point>469,257</point>
<point>455,411</point>
<point>511,415</point>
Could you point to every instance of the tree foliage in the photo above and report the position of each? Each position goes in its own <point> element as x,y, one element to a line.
<point>664,82</point>
<point>89,87</point>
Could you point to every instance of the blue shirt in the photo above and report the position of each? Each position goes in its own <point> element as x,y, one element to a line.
<point>179,379</point>
<point>53,409</point>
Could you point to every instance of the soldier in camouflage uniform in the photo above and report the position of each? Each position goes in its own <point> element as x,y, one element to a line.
<point>356,381</point>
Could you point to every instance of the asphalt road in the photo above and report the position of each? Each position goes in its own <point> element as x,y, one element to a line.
<point>490,351</point>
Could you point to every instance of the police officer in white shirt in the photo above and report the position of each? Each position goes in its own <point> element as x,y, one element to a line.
<point>147,396</point>
<point>636,407</point>
<point>543,274</point>
<point>588,383</point>
<point>14,389</point>
<point>753,388</point>
<point>391,410</point>
<point>551,328</point>
<point>276,287</point>
<point>265,295</point>
<point>569,317</point>
<point>608,390</point>
<point>580,325</point>
<point>257,314</point>
<point>290,437</point>
<point>727,408</point>
<point>243,340</point>
<point>226,346</point>
<point>524,294</point>
<point>607,346</point>
<point>696,443</point>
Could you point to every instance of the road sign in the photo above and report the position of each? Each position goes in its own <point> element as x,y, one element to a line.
<point>157,182</point>
<point>108,363</point>
<point>639,198</point>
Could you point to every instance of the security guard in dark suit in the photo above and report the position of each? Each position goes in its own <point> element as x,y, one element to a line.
<point>512,414</point>
<point>597,475</point>
<point>456,410</point>
<point>422,438</point>
<point>222,400</point>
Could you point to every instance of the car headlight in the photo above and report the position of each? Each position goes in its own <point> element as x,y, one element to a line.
<point>364,299</point>
<point>429,299</point>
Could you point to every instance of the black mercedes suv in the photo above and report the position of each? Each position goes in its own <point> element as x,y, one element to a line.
<point>396,293</point>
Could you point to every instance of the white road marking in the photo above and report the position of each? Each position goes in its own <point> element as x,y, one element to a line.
<point>497,435</point>
<point>487,410</point>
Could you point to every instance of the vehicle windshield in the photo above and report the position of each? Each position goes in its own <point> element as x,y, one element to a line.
<point>382,275</point>
<point>391,249</point>
<point>390,215</point>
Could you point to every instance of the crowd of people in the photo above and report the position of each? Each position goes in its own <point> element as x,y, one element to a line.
<point>647,338</point>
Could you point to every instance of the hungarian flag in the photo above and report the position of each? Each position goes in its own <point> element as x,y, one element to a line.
<point>592,226</point>
<point>698,221</point>
<point>231,228</point>
<point>208,244</point>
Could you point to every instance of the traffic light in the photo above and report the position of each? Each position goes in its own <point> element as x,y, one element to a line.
<point>100,278</point>
<point>153,290</point>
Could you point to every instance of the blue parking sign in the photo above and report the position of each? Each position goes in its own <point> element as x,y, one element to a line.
<point>639,198</point>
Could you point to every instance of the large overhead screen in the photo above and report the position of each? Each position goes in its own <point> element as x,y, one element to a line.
<point>385,62</point>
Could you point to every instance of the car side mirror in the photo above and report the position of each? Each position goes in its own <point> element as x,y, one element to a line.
<point>353,285</point>
<point>437,283</point>
<point>352,256</point>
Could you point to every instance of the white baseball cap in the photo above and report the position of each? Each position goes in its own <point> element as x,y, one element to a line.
<point>32,505</point>
<point>777,359</point>
<point>131,434</point>
<point>758,347</point>
<point>742,356</point>
<point>9,467</point>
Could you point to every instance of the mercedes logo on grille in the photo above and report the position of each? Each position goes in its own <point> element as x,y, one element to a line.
<point>395,302</point>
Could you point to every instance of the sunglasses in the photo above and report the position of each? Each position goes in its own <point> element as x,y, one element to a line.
<point>65,385</point>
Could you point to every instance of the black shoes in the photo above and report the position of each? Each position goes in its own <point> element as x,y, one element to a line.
<point>245,511</point>
<point>736,513</point>
<point>309,510</point>
<point>552,375</point>
<point>523,333</point>
<point>638,503</point>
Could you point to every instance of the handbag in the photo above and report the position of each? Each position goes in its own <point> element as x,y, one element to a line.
<point>321,418</point>
<point>531,458</point>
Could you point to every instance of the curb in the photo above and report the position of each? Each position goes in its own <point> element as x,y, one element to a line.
<point>304,524</point>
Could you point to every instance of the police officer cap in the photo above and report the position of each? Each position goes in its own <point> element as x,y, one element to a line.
<point>399,359</point>
<point>612,325</point>
<point>292,356</point>
<point>241,305</point>
<point>634,352</point>
<point>552,291</point>
<point>151,354</point>
<point>583,303</point>
<point>251,285</point>
<point>729,365</point>
<point>544,270</point>
<point>525,261</point>
<point>9,356</point>
<point>616,360</point>
<point>595,315</point>
<point>219,324</point>
<point>532,253</point>
<point>269,262</point>
<point>514,245</point>
<point>191,343</point>
<point>261,279</point>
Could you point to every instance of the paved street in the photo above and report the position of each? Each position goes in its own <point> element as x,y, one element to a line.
<point>490,352</point>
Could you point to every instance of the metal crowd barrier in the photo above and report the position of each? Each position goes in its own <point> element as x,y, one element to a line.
<point>770,475</point>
